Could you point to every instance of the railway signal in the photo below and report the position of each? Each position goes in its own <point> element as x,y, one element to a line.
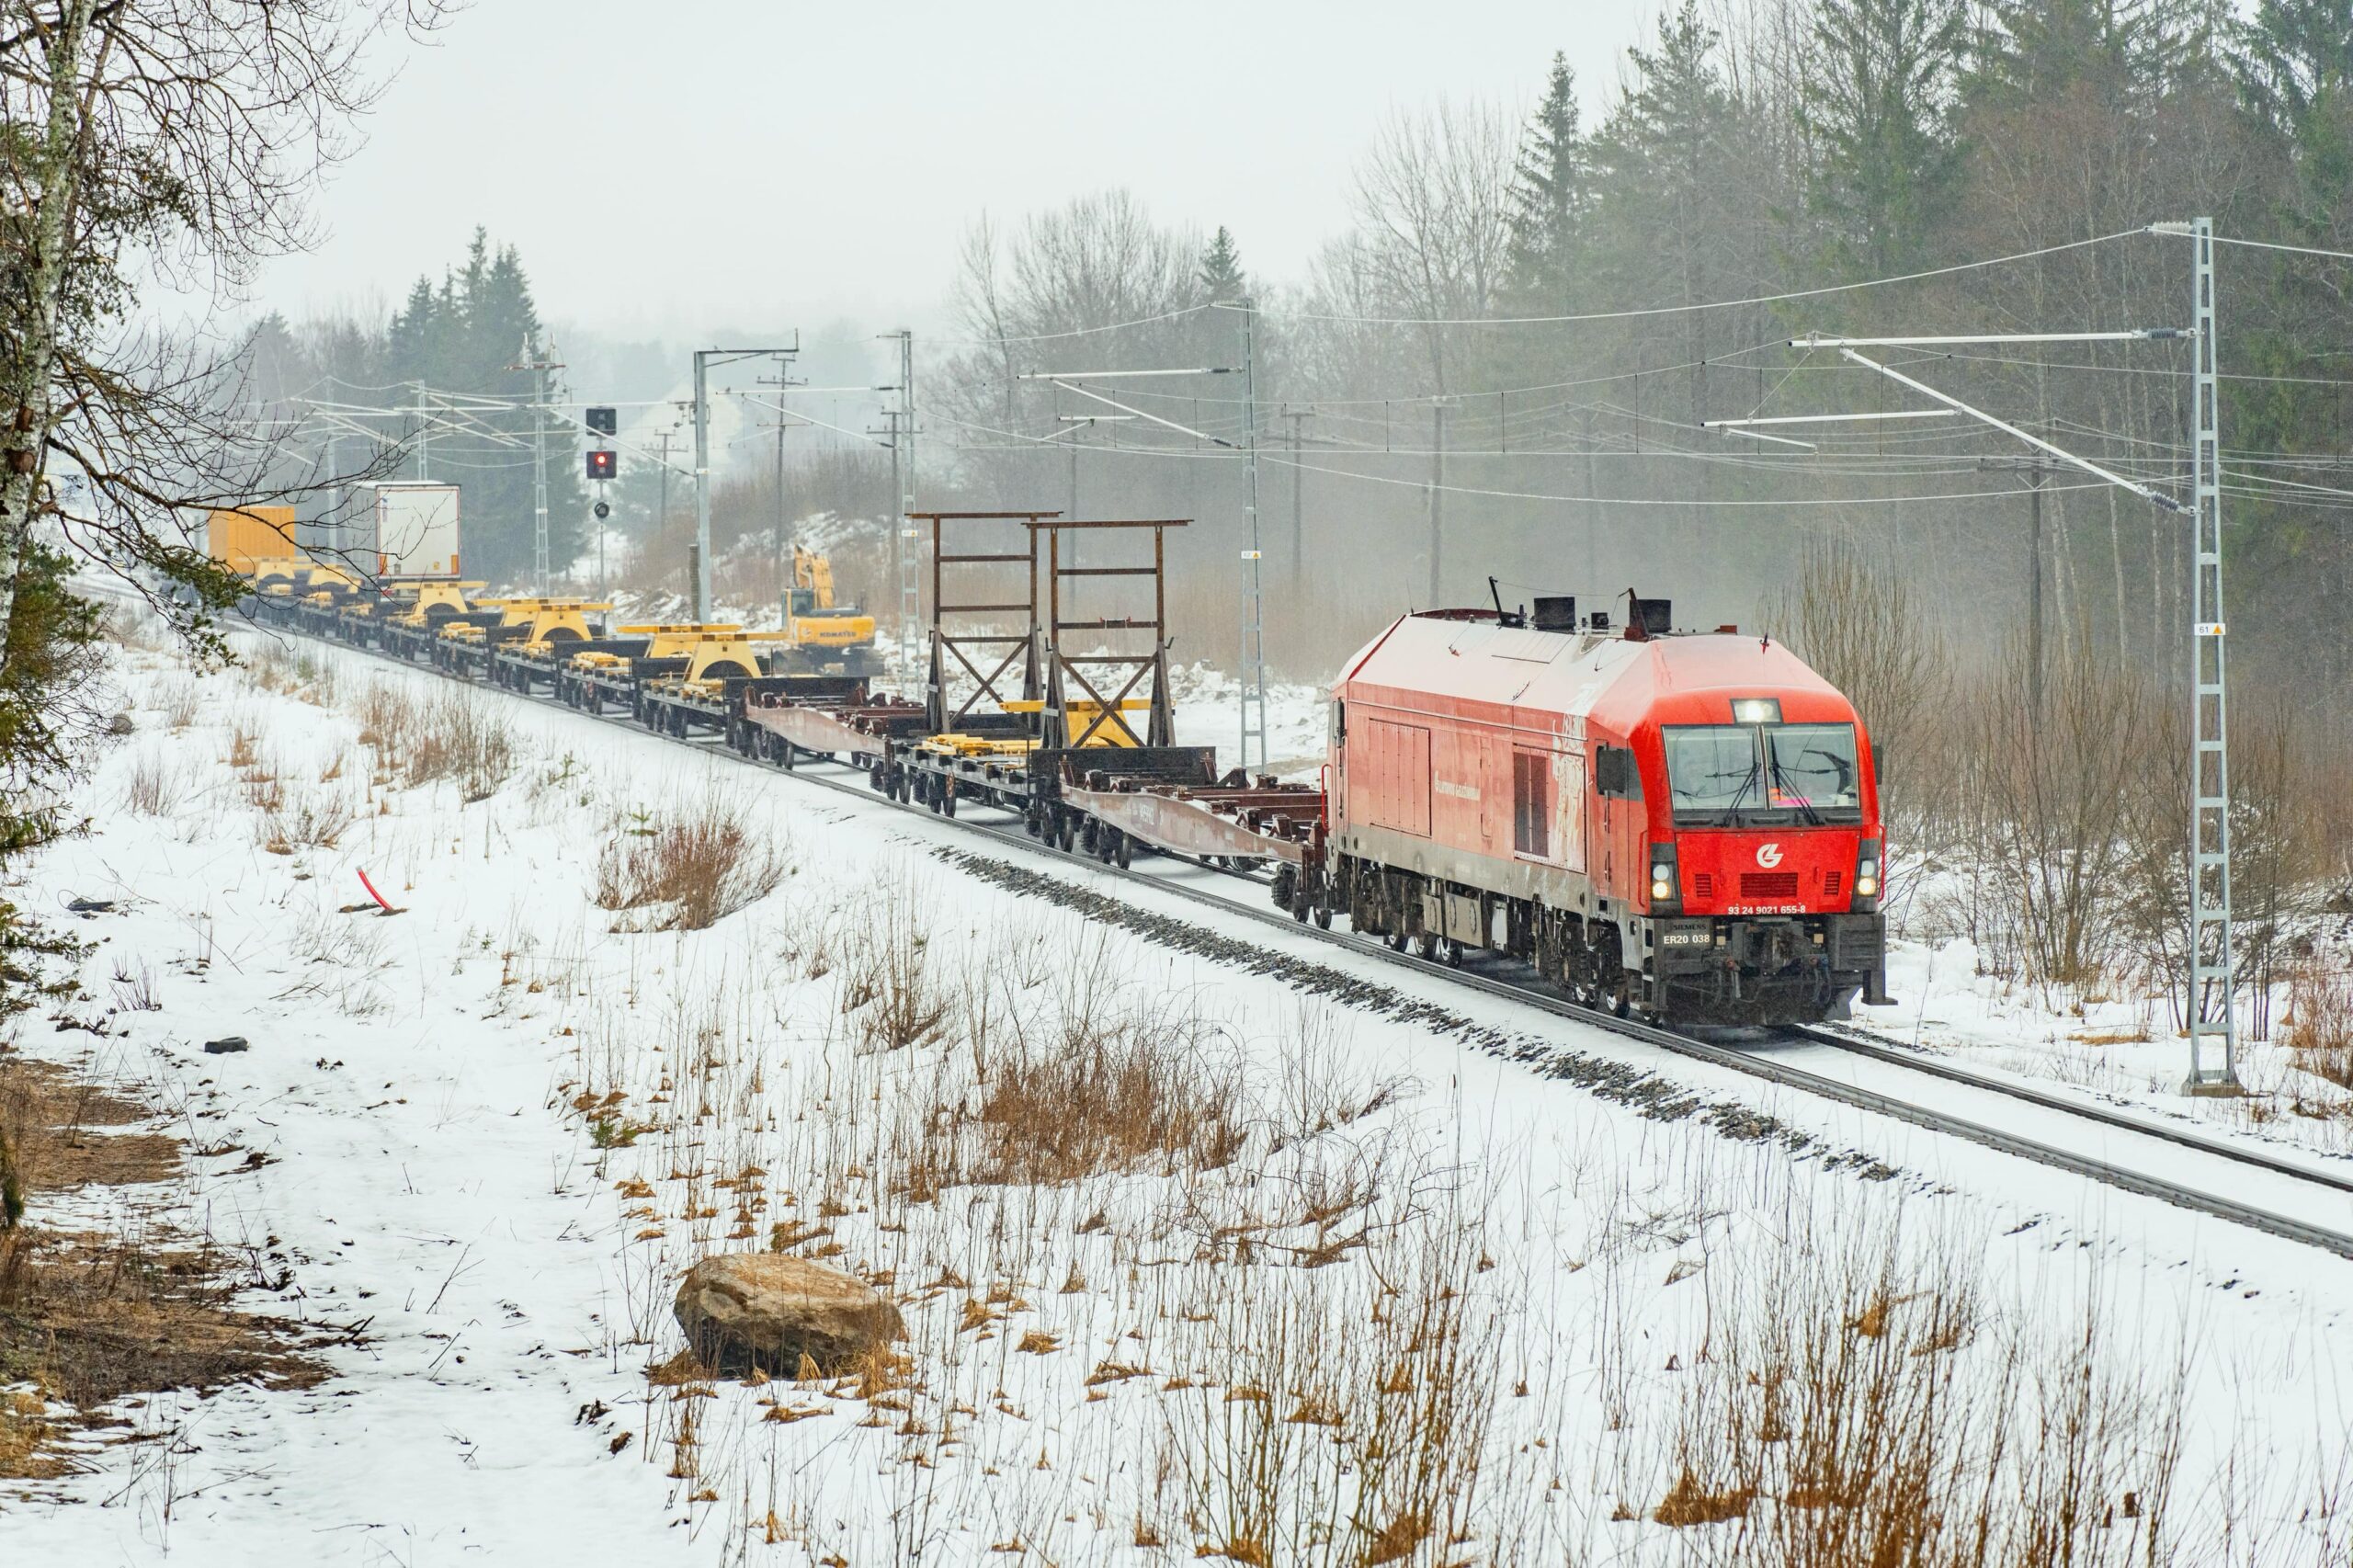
<point>603,422</point>
<point>603,463</point>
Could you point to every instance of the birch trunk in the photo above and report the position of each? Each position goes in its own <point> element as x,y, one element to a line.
<point>28,393</point>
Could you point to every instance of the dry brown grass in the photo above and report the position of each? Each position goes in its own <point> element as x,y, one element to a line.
<point>1855,1406</point>
<point>451,734</point>
<point>158,786</point>
<point>299,816</point>
<point>182,702</point>
<point>688,871</point>
<point>1363,1445</point>
<point>86,1319</point>
<point>56,1123</point>
<point>1128,1088</point>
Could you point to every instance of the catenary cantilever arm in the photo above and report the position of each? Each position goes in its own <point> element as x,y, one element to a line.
<point>2135,486</point>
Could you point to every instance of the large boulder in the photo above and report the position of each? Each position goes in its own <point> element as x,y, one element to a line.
<point>748,1309</point>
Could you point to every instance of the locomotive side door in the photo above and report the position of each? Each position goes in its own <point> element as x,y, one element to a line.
<point>1569,805</point>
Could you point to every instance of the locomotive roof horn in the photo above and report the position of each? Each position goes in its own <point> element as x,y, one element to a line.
<point>1646,619</point>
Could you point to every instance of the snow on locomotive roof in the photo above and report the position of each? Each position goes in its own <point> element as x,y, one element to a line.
<point>1567,671</point>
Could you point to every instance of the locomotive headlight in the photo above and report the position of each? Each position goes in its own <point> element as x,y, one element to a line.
<point>1867,868</point>
<point>1662,881</point>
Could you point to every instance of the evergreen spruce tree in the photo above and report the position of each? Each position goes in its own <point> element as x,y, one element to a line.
<point>1659,176</point>
<point>2031,53</point>
<point>1552,189</point>
<point>1221,274</point>
<point>463,337</point>
<point>2294,66</point>
<point>1878,106</point>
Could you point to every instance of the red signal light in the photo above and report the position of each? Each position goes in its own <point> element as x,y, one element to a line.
<point>603,464</point>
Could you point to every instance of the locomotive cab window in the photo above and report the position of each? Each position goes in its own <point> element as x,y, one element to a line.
<point>1760,775</point>
<point>1711,770</point>
<point>1814,766</point>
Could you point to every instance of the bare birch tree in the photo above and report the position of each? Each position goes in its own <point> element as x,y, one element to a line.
<point>174,138</point>
<point>1433,203</point>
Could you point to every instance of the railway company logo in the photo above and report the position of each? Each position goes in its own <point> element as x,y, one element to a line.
<point>1768,855</point>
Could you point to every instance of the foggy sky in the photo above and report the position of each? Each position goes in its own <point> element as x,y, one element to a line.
<point>668,169</point>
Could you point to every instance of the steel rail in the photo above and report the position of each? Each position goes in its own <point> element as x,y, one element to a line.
<point>1871,1101</point>
<point>1916,1062</point>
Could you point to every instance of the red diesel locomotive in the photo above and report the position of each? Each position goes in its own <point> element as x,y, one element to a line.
<point>1681,825</point>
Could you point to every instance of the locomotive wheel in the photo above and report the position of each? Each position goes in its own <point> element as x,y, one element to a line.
<point>1324,916</point>
<point>1426,946</point>
<point>1397,941</point>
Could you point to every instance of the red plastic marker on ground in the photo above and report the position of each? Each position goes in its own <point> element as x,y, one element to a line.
<point>376,896</point>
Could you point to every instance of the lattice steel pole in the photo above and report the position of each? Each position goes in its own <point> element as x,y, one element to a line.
<point>2212,970</point>
<point>1254,621</point>
<point>701,549</point>
<point>910,572</point>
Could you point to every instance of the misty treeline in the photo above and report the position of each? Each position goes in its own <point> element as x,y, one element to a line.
<point>1750,148</point>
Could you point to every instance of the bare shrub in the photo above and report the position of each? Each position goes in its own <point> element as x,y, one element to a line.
<point>889,981</point>
<point>1115,1088</point>
<point>2046,811</point>
<point>2320,1022</point>
<point>452,734</point>
<point>689,869</point>
<point>1860,626</point>
<point>134,989</point>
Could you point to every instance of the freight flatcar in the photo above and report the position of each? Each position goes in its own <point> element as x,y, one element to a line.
<point>1683,825</point>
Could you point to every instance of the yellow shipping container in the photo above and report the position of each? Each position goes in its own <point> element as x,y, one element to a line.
<point>238,538</point>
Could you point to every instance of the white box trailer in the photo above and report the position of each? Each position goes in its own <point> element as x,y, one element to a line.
<point>415,528</point>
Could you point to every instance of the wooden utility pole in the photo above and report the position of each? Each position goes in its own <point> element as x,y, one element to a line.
<point>2035,471</point>
<point>1438,498</point>
<point>1298,481</point>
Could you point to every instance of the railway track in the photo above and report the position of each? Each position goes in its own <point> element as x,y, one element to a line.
<point>2169,1142</point>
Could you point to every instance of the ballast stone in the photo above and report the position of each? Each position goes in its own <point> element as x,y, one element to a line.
<point>749,1309</point>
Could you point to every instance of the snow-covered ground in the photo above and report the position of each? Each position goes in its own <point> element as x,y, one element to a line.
<point>1381,1264</point>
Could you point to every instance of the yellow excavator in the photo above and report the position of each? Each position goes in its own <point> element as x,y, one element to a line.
<point>819,633</point>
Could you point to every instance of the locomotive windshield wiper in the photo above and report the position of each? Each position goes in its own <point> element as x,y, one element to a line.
<point>1731,817</point>
<point>1804,803</point>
